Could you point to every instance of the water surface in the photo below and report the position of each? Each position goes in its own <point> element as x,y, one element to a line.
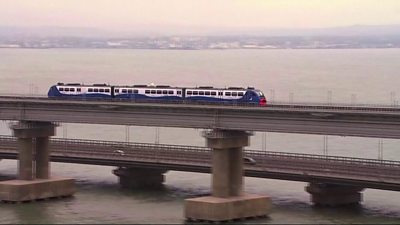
<point>367,76</point>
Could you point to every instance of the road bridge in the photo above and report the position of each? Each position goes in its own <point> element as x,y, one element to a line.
<point>367,173</point>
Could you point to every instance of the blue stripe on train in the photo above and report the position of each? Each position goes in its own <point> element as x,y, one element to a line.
<point>140,96</point>
<point>191,98</point>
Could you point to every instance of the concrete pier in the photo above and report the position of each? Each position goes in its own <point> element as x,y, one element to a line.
<point>25,159</point>
<point>138,178</point>
<point>324,194</point>
<point>34,180</point>
<point>42,158</point>
<point>228,200</point>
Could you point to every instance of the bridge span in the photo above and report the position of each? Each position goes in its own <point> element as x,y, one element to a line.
<point>366,121</point>
<point>367,173</point>
<point>332,180</point>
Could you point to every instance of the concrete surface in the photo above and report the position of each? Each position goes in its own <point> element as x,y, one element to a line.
<point>24,190</point>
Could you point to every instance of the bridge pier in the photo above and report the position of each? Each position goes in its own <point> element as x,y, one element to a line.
<point>33,180</point>
<point>228,201</point>
<point>137,178</point>
<point>325,194</point>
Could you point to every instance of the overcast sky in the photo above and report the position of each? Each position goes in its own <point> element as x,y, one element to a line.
<point>119,14</point>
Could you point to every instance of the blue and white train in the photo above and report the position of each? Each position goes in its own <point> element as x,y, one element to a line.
<point>159,92</point>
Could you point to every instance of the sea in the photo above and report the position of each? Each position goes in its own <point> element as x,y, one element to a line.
<point>298,76</point>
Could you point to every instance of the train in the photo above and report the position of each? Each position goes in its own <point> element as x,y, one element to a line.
<point>248,95</point>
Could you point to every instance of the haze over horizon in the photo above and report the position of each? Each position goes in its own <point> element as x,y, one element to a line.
<point>195,16</point>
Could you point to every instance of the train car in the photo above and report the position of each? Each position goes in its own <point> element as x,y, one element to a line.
<point>148,92</point>
<point>231,94</point>
<point>71,90</point>
<point>161,93</point>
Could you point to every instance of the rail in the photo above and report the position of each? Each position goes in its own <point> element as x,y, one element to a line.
<point>275,105</point>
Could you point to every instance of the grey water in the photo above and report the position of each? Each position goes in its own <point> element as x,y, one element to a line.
<point>363,76</point>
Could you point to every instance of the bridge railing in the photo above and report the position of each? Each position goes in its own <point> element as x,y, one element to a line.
<point>275,104</point>
<point>323,158</point>
<point>300,164</point>
<point>68,145</point>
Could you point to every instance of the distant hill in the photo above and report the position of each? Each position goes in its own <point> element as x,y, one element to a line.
<point>356,30</point>
<point>9,31</point>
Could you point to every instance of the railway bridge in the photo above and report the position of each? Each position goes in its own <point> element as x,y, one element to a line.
<point>227,131</point>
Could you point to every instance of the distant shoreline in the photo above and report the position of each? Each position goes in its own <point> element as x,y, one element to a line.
<point>202,49</point>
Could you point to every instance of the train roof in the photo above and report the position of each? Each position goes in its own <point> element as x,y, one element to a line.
<point>153,86</point>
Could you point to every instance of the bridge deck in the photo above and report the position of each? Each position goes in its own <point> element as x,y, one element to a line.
<point>363,121</point>
<point>369,173</point>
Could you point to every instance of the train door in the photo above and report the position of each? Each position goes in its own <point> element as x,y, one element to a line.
<point>183,93</point>
<point>220,94</point>
<point>112,92</point>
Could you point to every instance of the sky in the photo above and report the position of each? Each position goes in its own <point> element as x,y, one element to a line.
<point>161,14</point>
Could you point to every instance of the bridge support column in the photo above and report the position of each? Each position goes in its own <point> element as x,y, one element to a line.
<point>42,158</point>
<point>34,181</point>
<point>228,201</point>
<point>325,194</point>
<point>138,178</point>
<point>25,159</point>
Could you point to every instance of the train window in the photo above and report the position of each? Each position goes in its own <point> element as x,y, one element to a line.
<point>61,89</point>
<point>116,90</point>
<point>129,91</point>
<point>90,90</point>
<point>227,94</point>
<point>201,92</point>
<point>72,89</point>
<point>234,93</point>
<point>78,89</point>
<point>153,91</point>
<point>189,92</point>
<point>101,90</point>
<point>96,90</point>
<point>159,91</point>
<point>66,89</point>
<point>213,93</point>
<point>171,92</point>
<point>195,92</point>
<point>147,91</point>
<point>207,92</point>
<point>240,94</point>
<point>124,91</point>
<point>107,90</point>
<point>135,91</point>
<point>165,92</point>
<point>220,93</point>
<point>179,92</point>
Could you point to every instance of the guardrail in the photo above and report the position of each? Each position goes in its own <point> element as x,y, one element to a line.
<point>381,174</point>
<point>275,104</point>
<point>73,144</point>
<point>66,145</point>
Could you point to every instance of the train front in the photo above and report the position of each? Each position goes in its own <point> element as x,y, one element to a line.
<point>262,100</point>
<point>53,92</point>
